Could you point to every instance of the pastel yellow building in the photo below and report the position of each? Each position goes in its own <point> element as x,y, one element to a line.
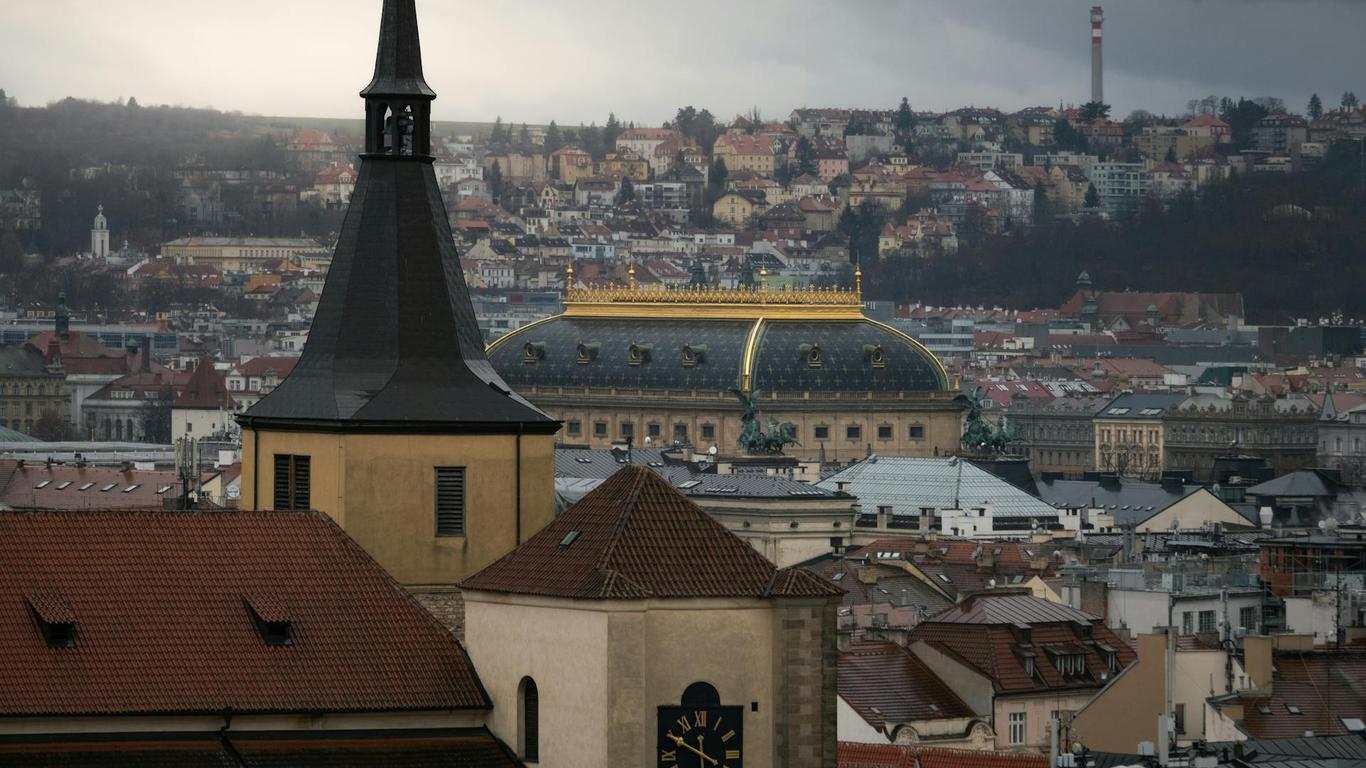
<point>393,422</point>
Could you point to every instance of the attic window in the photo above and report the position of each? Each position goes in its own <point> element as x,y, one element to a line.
<point>85,487</point>
<point>1294,710</point>
<point>55,619</point>
<point>1264,709</point>
<point>43,484</point>
<point>163,489</point>
<point>62,486</point>
<point>271,619</point>
<point>569,538</point>
<point>690,484</point>
<point>132,487</point>
<point>109,487</point>
<point>838,577</point>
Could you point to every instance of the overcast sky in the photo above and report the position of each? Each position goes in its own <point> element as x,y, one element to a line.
<point>574,60</point>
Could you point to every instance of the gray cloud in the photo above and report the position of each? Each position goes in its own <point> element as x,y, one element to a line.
<point>535,60</point>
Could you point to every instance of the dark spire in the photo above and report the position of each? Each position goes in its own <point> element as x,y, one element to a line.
<point>398,102</point>
<point>398,63</point>
<point>394,346</point>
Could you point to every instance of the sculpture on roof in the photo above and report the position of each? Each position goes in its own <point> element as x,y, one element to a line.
<point>753,439</point>
<point>981,436</point>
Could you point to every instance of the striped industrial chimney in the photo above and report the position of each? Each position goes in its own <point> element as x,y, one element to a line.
<point>1097,88</point>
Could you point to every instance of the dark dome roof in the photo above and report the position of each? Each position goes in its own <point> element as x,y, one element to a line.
<point>662,352</point>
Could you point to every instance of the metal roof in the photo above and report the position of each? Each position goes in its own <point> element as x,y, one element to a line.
<point>908,484</point>
<point>580,470</point>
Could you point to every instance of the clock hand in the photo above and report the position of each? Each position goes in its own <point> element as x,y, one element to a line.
<point>678,740</point>
<point>701,750</point>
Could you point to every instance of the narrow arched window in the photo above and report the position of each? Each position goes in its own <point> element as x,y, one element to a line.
<point>529,700</point>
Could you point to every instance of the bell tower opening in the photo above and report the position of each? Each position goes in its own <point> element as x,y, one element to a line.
<point>398,101</point>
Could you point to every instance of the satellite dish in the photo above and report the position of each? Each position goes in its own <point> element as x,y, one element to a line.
<point>648,440</point>
<point>711,451</point>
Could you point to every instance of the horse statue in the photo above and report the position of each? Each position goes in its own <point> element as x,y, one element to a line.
<point>979,435</point>
<point>753,439</point>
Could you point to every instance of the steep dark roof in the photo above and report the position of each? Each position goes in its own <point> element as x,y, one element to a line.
<point>636,536</point>
<point>394,345</point>
<point>398,62</point>
<point>165,607</point>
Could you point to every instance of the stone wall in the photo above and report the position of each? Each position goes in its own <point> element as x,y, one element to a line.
<point>808,656</point>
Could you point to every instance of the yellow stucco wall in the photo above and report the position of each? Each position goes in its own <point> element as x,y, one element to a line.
<point>942,426</point>
<point>629,658</point>
<point>1193,512</point>
<point>381,490</point>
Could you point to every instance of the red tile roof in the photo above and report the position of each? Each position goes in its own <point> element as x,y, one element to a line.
<point>163,623</point>
<point>886,684</point>
<point>207,389</point>
<point>981,632</point>
<point>1324,686</point>
<point>72,487</point>
<point>260,366</point>
<point>636,536</point>
<point>454,748</point>
<point>852,755</point>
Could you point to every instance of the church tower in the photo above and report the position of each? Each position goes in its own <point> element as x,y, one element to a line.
<point>99,236</point>
<point>393,422</point>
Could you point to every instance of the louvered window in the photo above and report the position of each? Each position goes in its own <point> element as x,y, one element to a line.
<point>450,501</point>
<point>291,482</point>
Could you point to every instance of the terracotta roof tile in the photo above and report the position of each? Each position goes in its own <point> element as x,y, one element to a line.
<point>1323,686</point>
<point>852,755</point>
<point>163,625</point>
<point>887,684</point>
<point>455,748</point>
<point>206,389</point>
<point>59,486</point>
<point>636,536</point>
<point>983,636</point>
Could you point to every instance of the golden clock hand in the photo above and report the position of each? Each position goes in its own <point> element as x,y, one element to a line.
<point>678,740</point>
<point>701,750</point>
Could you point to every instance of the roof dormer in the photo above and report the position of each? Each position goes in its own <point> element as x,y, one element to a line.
<point>56,621</point>
<point>271,619</point>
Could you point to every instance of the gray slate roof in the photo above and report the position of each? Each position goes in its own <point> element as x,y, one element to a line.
<point>1130,501</point>
<point>1304,482</point>
<point>580,470</point>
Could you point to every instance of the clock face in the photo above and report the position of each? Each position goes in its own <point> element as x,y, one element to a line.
<point>701,737</point>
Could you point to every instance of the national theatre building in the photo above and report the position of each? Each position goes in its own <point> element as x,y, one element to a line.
<point>665,367</point>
